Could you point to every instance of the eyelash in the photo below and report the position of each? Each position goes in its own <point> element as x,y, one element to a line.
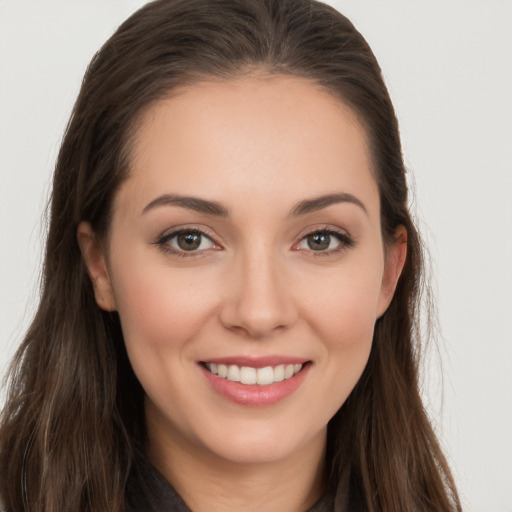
<point>344,239</point>
<point>163,243</point>
<point>345,242</point>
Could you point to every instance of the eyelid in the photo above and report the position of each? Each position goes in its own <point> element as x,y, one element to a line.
<point>163,239</point>
<point>346,241</point>
<point>345,238</point>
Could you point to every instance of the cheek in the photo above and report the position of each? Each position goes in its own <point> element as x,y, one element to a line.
<point>161,312</point>
<point>346,328</point>
<point>346,325</point>
<point>160,308</point>
<point>345,310</point>
<point>342,315</point>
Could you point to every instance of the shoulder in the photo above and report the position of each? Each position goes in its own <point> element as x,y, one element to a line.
<point>147,490</point>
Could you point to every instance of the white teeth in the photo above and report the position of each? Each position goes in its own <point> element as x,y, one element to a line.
<point>233,373</point>
<point>223,371</point>
<point>265,376</point>
<point>279,373</point>
<point>248,375</point>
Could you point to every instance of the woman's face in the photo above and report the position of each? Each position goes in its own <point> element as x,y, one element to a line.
<point>246,244</point>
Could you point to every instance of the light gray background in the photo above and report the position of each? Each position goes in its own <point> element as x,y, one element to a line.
<point>448,65</point>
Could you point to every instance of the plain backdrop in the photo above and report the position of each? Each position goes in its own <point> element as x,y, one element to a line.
<point>448,66</point>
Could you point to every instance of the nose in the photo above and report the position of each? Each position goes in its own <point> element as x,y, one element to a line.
<point>258,299</point>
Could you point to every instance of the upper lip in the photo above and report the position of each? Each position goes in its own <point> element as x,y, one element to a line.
<point>257,361</point>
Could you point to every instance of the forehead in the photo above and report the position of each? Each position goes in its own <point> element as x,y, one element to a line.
<point>254,136</point>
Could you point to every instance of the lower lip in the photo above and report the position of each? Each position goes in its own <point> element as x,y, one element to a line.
<point>254,395</point>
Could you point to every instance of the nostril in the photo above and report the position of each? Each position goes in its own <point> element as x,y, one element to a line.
<point>257,300</point>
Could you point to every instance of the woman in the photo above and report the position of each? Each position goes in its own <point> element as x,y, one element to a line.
<point>228,317</point>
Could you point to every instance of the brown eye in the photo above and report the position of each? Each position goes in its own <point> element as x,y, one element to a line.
<point>319,241</point>
<point>186,241</point>
<point>189,241</point>
<point>325,242</point>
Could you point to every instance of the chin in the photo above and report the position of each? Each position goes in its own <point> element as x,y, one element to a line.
<point>263,445</point>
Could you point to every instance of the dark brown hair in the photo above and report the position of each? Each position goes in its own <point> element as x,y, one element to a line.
<point>73,422</point>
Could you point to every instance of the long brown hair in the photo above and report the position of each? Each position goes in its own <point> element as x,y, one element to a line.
<point>73,423</point>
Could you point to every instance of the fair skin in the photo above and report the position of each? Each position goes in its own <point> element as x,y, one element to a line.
<point>265,275</point>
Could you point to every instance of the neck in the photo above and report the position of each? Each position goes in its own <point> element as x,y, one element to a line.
<point>206,481</point>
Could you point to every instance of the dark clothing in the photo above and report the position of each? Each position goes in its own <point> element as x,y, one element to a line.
<point>148,491</point>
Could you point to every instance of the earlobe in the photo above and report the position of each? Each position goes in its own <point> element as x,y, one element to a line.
<point>95,261</point>
<point>396,255</point>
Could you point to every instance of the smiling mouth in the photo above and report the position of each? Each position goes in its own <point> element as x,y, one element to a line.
<point>251,376</point>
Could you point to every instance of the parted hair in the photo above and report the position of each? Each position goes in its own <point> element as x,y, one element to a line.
<point>73,423</point>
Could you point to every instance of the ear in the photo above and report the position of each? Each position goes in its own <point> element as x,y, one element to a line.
<point>96,263</point>
<point>396,254</point>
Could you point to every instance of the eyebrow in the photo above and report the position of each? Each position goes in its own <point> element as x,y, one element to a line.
<point>318,203</point>
<point>189,202</point>
<point>214,208</point>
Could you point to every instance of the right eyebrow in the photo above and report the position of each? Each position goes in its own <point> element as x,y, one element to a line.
<point>189,202</point>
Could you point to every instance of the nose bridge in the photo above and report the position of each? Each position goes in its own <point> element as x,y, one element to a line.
<point>259,301</point>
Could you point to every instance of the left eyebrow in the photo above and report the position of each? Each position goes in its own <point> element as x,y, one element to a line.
<point>318,203</point>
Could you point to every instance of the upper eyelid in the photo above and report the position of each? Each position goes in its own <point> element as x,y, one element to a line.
<point>170,233</point>
<point>163,242</point>
<point>327,228</point>
<point>344,237</point>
